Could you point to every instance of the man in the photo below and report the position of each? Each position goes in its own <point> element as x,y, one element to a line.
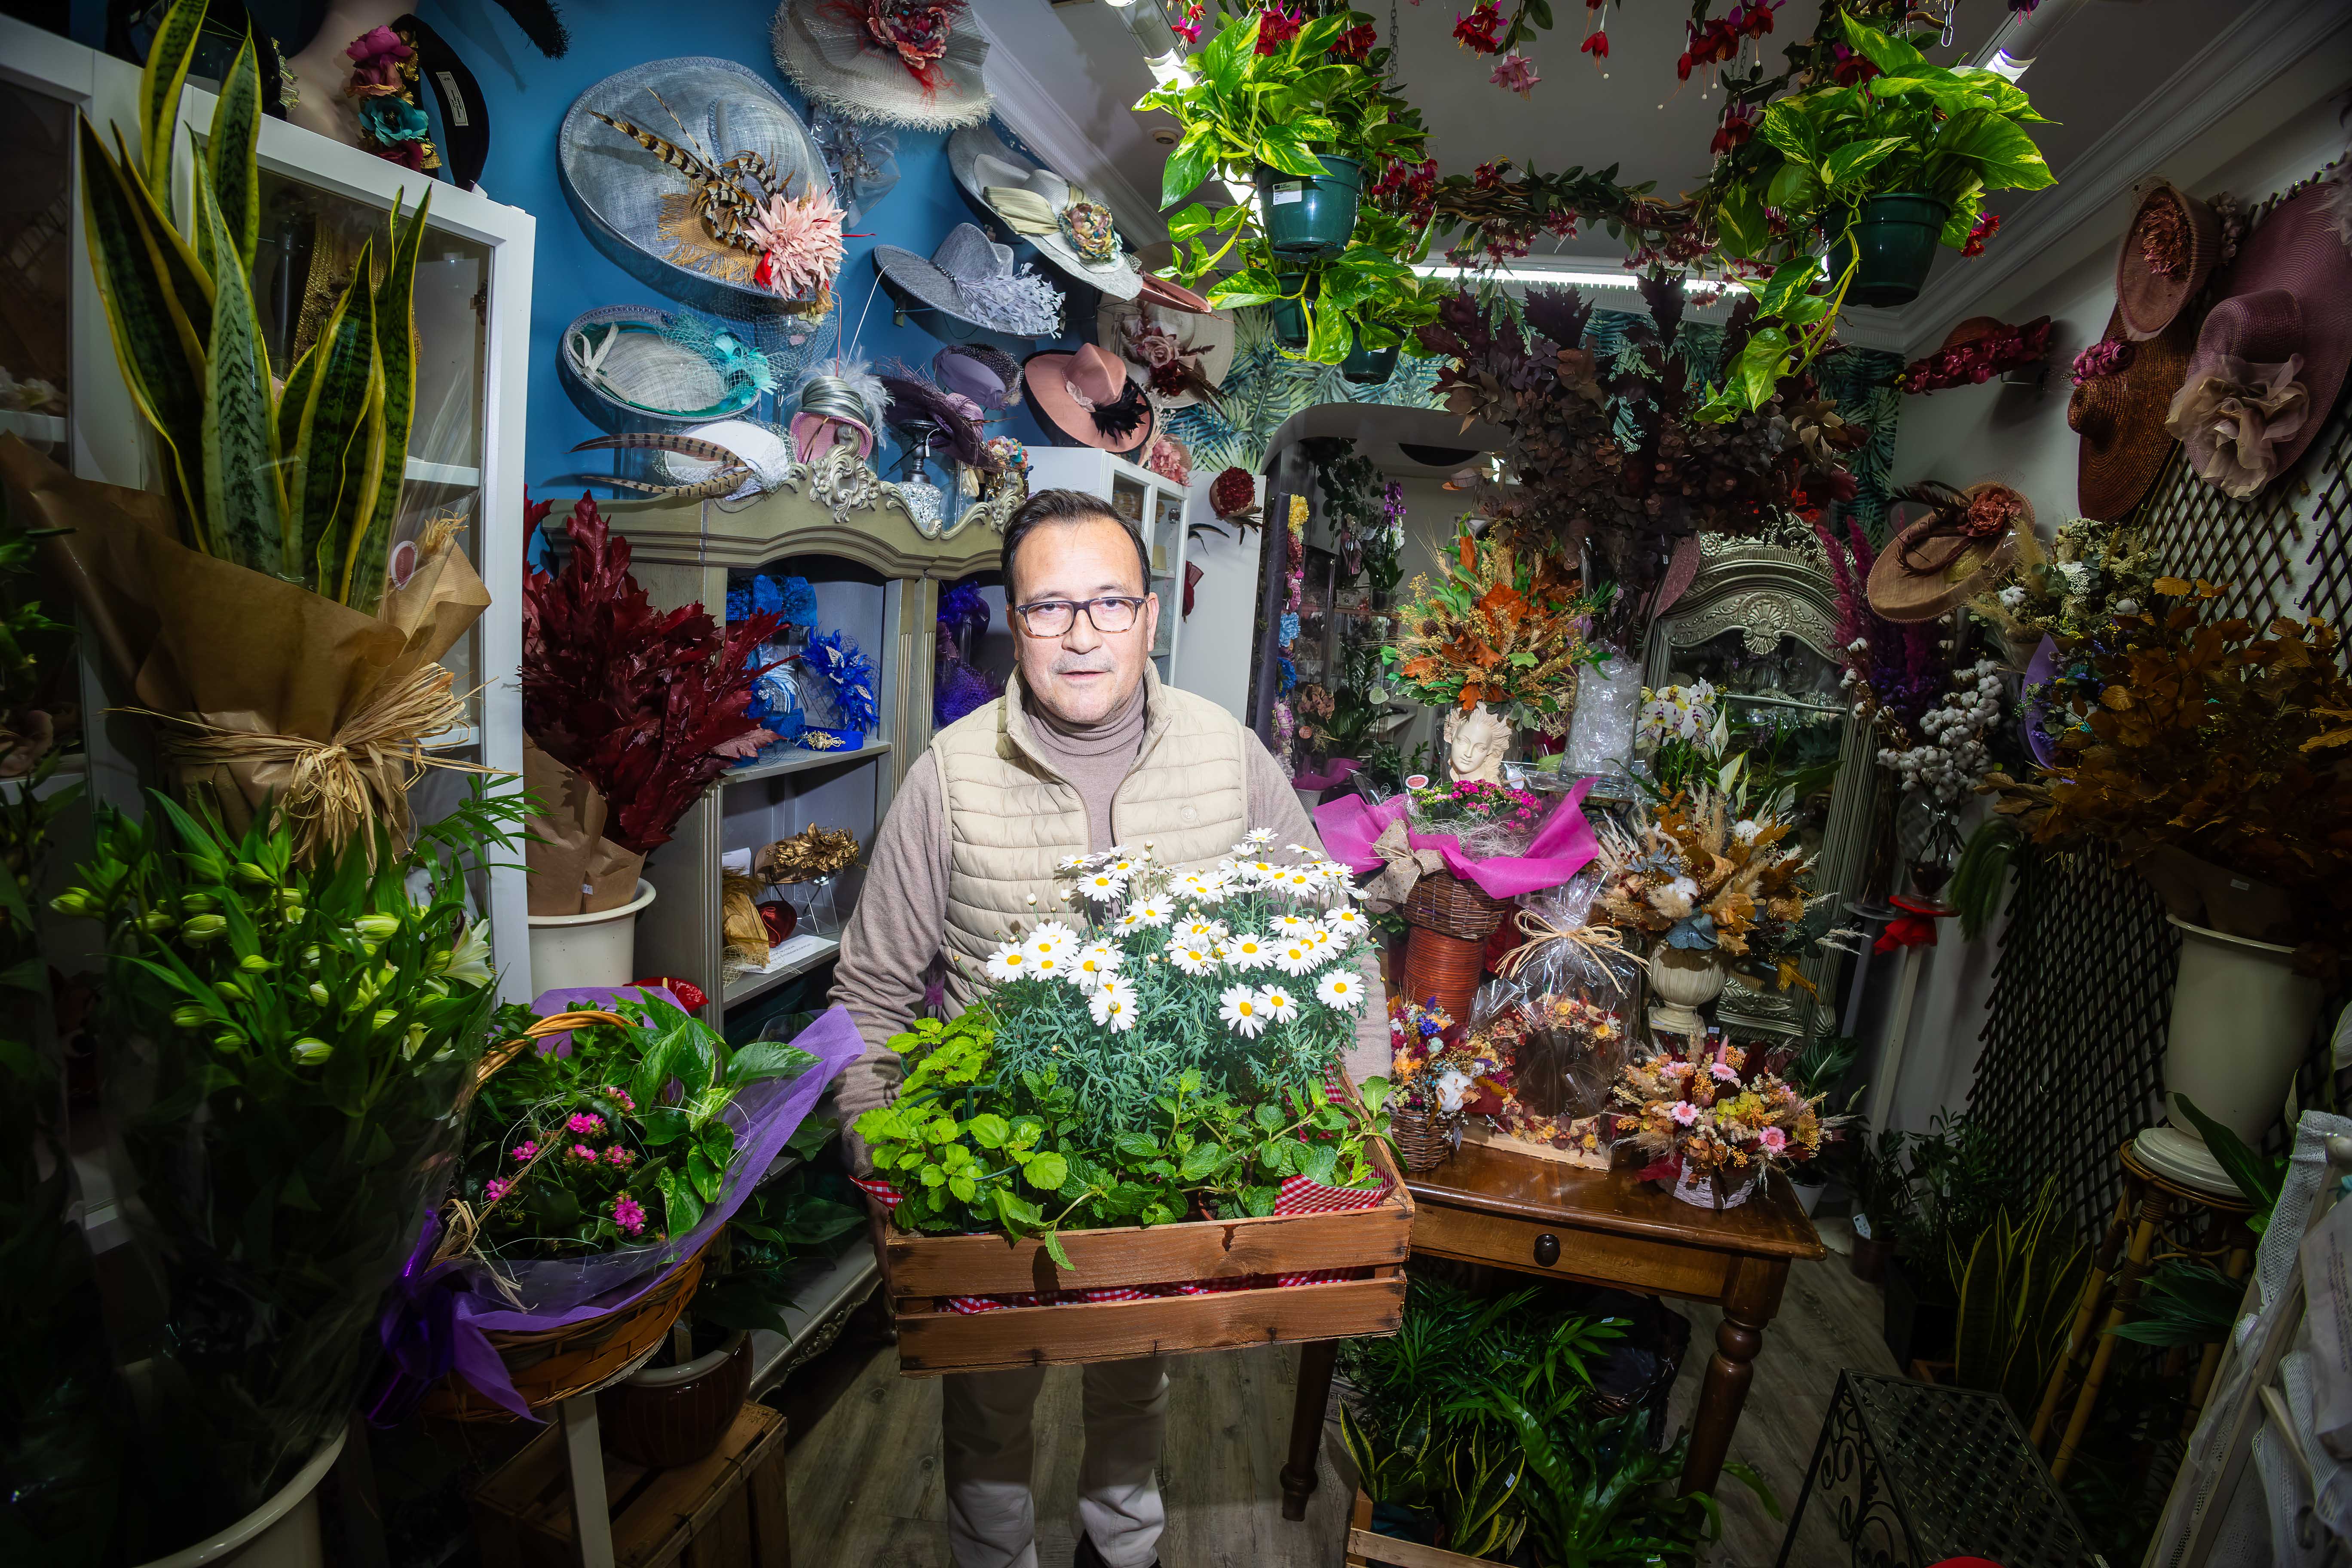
<point>1086,750</point>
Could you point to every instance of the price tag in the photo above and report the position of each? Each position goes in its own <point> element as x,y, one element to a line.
<point>1288,191</point>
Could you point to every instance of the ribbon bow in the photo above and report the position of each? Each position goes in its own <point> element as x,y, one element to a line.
<point>1405,865</point>
<point>1542,933</point>
<point>1916,927</point>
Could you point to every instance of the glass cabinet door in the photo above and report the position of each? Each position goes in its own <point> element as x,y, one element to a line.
<point>1785,717</point>
<point>37,276</point>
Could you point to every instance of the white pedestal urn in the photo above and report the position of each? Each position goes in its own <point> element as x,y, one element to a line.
<point>281,1534</point>
<point>2241,1020</point>
<point>1684,979</point>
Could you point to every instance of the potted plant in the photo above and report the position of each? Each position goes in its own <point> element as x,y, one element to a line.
<point>1959,1177</point>
<point>2212,754</point>
<point>1882,1201</point>
<point>1815,1072</point>
<point>2019,1282</point>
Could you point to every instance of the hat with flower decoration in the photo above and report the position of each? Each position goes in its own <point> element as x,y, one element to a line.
<point>916,63</point>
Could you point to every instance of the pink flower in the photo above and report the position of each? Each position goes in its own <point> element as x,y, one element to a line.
<point>1724,1072</point>
<point>1773,1140</point>
<point>583,1152</point>
<point>585,1124</point>
<point>618,1096</point>
<point>619,1158</point>
<point>494,1189</point>
<point>1515,73</point>
<point>1684,1114</point>
<point>376,55</point>
<point>628,1214</point>
<point>524,1153</point>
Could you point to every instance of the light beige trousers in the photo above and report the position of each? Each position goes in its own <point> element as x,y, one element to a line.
<point>985,1418</point>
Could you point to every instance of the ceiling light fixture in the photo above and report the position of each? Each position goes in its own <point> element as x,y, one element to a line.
<point>1562,275</point>
<point>2017,42</point>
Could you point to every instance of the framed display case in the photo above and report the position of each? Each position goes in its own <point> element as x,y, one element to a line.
<point>1156,506</point>
<point>1758,623</point>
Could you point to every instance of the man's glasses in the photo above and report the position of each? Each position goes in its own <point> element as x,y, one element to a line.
<point>1053,617</point>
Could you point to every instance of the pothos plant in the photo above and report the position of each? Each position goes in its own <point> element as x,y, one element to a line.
<point>1267,90</point>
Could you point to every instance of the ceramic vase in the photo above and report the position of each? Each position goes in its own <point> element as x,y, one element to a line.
<point>1700,1191</point>
<point>2241,1020</point>
<point>1684,979</point>
<point>283,1532</point>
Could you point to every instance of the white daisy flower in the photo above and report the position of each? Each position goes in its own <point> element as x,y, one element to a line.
<point>1295,881</point>
<point>1051,960</point>
<point>1153,912</point>
<point>1058,931</point>
<point>1340,989</point>
<point>1113,1005</point>
<point>1130,921</point>
<point>1347,923</point>
<point>1280,1004</point>
<point>1010,961</point>
<point>1247,949</point>
<point>1292,926</point>
<point>1317,939</point>
<point>1241,1012</point>
<point>1124,866</point>
<point>1202,888</point>
<point>1256,873</point>
<point>1199,929</point>
<point>1100,887</point>
<point>1193,960</point>
<point>1296,957</point>
<point>1069,863</point>
<point>1258,837</point>
<point>1095,963</point>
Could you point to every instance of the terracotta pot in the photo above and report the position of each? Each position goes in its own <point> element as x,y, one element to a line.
<point>671,1415</point>
<point>1684,979</point>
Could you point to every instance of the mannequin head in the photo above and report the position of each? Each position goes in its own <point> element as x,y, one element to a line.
<point>1474,744</point>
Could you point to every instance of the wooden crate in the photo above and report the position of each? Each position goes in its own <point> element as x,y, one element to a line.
<point>921,1273</point>
<point>1364,1547</point>
<point>727,1511</point>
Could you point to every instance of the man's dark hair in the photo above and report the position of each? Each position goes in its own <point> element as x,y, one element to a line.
<point>1066,506</point>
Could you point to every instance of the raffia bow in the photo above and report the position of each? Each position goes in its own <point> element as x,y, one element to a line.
<point>1540,934</point>
<point>1405,865</point>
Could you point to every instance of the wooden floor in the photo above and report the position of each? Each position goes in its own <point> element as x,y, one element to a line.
<point>865,1483</point>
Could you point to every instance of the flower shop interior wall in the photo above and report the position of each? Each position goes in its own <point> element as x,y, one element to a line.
<point>2019,434</point>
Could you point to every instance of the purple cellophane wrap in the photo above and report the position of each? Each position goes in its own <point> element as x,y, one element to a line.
<point>1562,847</point>
<point>439,1316</point>
<point>2039,673</point>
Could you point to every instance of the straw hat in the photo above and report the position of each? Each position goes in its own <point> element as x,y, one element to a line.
<point>2169,250</point>
<point>2271,356</point>
<point>643,213</point>
<point>1071,232</point>
<point>2122,389</point>
<point>972,279</point>
<point>1181,355</point>
<point>1951,556</point>
<point>631,365</point>
<point>927,76</point>
<point>1092,397</point>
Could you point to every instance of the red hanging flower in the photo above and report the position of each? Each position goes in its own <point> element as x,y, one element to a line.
<point>1355,42</point>
<point>1738,124</point>
<point>1596,43</point>
<point>1478,31</point>
<point>1276,28</point>
<point>1984,228</point>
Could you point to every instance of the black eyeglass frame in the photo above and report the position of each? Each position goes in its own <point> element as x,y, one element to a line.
<point>1133,602</point>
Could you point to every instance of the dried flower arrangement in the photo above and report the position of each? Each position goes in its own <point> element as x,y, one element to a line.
<point>1500,627</point>
<point>2090,574</point>
<point>638,701</point>
<point>1438,1070</point>
<point>1972,360</point>
<point>1714,1116</point>
<point>1949,755</point>
<point>1690,871</point>
<point>1895,670</point>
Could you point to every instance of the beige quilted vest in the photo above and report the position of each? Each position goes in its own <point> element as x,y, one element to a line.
<point>1012,818</point>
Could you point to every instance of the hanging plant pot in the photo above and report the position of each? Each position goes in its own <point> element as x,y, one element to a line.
<point>1288,319</point>
<point>1369,367</point>
<point>1307,217</point>
<point>1895,236</point>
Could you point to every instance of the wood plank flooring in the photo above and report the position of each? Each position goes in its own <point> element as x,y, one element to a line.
<point>866,1485</point>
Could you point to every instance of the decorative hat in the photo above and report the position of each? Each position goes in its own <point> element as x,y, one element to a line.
<point>986,375</point>
<point>1171,295</point>
<point>626,365</point>
<point>2122,389</point>
<point>640,155</point>
<point>915,63</point>
<point>840,402</point>
<point>1073,233</point>
<point>863,159</point>
<point>933,416</point>
<point>1975,350</point>
<point>1183,357</point>
<point>2271,356</point>
<point>1090,397</point>
<point>972,279</point>
<point>2171,245</point>
<point>1951,554</point>
<point>734,458</point>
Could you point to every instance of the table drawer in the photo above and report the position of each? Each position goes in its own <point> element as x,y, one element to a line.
<point>1605,1258</point>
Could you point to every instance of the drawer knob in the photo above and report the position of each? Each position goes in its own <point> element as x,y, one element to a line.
<point>1547,1249</point>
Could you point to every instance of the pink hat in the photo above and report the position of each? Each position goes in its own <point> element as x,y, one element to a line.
<point>2168,253</point>
<point>2272,355</point>
<point>1089,398</point>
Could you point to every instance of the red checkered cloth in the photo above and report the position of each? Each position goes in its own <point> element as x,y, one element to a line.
<point>1298,1195</point>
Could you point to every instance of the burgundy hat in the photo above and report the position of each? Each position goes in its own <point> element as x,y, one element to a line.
<point>2271,356</point>
<point>2168,251</point>
<point>2121,392</point>
<point>1089,398</point>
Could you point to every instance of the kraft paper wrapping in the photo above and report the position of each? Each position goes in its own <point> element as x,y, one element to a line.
<point>574,868</point>
<point>229,650</point>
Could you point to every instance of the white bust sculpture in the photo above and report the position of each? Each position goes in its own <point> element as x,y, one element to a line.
<point>1474,744</point>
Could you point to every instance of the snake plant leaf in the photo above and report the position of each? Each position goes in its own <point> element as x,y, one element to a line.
<point>293,398</point>
<point>370,550</point>
<point>191,283</point>
<point>243,499</point>
<point>229,156</point>
<point>160,356</point>
<point>331,452</point>
<point>159,91</point>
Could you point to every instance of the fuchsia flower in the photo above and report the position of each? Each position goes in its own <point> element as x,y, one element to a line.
<point>494,1189</point>
<point>524,1153</point>
<point>1596,43</point>
<point>1276,28</point>
<point>1984,228</point>
<point>620,1159</point>
<point>1355,43</point>
<point>1189,29</point>
<point>376,55</point>
<point>1476,32</point>
<point>1515,73</point>
<point>585,1124</point>
<point>628,1214</point>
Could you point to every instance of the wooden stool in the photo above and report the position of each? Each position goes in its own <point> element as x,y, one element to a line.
<point>2189,1223</point>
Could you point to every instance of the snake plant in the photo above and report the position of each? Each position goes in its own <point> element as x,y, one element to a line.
<point>300,479</point>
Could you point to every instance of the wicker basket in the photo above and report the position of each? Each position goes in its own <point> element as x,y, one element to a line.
<point>552,1365</point>
<point>1423,1138</point>
<point>1442,902</point>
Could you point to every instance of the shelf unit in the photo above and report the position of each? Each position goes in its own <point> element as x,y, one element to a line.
<point>877,577</point>
<point>1155,505</point>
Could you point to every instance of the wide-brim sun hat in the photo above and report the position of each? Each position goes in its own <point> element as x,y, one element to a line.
<point>971,278</point>
<point>641,213</point>
<point>628,367</point>
<point>2118,409</point>
<point>2271,356</point>
<point>1093,397</point>
<point>1131,328</point>
<point>979,158</point>
<point>1952,555</point>
<point>2169,249</point>
<point>825,48</point>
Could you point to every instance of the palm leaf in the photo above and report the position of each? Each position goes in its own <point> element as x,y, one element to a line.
<point>370,549</point>
<point>229,156</point>
<point>346,387</point>
<point>159,91</point>
<point>243,500</point>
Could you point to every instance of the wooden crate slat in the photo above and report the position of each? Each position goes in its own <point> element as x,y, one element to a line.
<point>933,1342</point>
<point>1365,1546</point>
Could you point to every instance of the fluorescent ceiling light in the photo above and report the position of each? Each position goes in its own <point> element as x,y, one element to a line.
<point>1557,275</point>
<point>2002,65</point>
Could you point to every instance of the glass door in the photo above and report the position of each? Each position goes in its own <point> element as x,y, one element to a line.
<point>36,267</point>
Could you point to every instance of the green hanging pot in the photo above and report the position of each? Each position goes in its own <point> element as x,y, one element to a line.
<point>1310,217</point>
<point>1289,319</point>
<point>1897,235</point>
<point>1369,367</point>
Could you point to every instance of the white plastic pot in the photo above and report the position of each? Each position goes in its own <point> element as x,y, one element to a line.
<point>281,1534</point>
<point>570,950</point>
<point>2241,1021</point>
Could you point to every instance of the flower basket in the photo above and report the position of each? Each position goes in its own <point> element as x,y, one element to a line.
<point>1423,1138</point>
<point>980,1303</point>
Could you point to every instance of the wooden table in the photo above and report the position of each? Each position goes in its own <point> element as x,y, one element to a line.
<point>1600,1228</point>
